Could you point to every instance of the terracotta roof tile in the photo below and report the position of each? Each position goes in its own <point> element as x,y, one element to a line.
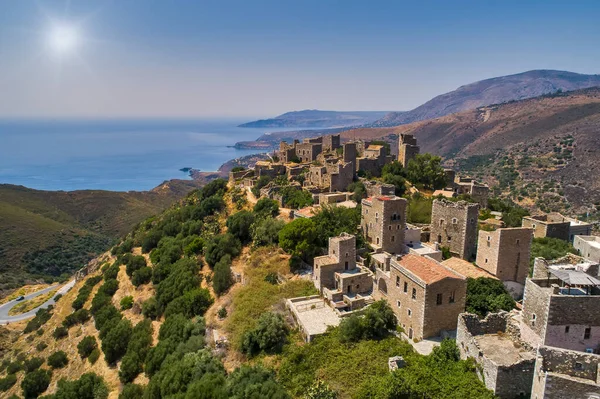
<point>427,269</point>
<point>467,269</point>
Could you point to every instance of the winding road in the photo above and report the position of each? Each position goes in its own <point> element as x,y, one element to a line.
<point>4,309</point>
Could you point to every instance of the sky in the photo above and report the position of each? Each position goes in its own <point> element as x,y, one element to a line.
<point>226,58</point>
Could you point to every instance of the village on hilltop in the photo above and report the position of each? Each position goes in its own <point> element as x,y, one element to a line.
<point>547,347</point>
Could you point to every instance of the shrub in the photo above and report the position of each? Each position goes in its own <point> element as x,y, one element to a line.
<point>7,382</point>
<point>142,276</point>
<point>192,303</point>
<point>139,344</point>
<point>14,367</point>
<point>111,272</point>
<point>221,245</point>
<point>266,231</point>
<point>266,207</point>
<point>239,225</point>
<point>135,263</point>
<point>256,379</point>
<point>88,386</point>
<point>376,323</point>
<point>86,346</point>
<point>94,356</point>
<point>41,346</point>
<point>114,344</point>
<point>485,295</point>
<point>58,360</point>
<point>150,308</point>
<point>300,237</point>
<point>109,287</point>
<point>60,332</point>
<point>32,364</point>
<point>78,317</point>
<point>222,277</point>
<point>269,335</point>
<point>132,391</point>
<point>126,302</point>
<point>222,313</point>
<point>41,317</point>
<point>35,383</point>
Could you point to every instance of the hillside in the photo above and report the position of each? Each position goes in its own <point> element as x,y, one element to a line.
<point>551,139</point>
<point>51,232</point>
<point>312,118</point>
<point>492,91</point>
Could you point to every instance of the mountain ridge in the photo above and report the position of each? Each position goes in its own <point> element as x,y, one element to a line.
<point>313,118</point>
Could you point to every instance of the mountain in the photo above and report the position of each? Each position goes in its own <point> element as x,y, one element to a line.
<point>53,232</point>
<point>544,148</point>
<point>492,91</point>
<point>312,118</point>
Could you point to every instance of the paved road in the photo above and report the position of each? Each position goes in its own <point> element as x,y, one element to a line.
<point>4,309</point>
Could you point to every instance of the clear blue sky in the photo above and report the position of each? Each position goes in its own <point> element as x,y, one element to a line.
<point>176,58</point>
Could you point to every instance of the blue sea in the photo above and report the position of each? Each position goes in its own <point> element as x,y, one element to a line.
<point>115,155</point>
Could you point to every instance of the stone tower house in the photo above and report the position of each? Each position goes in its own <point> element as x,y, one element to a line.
<point>407,148</point>
<point>454,225</point>
<point>383,222</point>
<point>341,257</point>
<point>505,253</point>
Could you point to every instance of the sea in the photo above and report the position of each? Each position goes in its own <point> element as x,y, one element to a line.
<point>116,155</point>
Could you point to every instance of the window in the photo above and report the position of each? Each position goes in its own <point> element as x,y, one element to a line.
<point>448,238</point>
<point>441,222</point>
<point>486,261</point>
<point>346,266</point>
<point>347,254</point>
<point>454,221</point>
<point>377,240</point>
<point>397,281</point>
<point>389,227</point>
<point>438,299</point>
<point>451,298</point>
<point>409,312</point>
<point>393,238</point>
<point>587,333</point>
<point>489,238</point>
<point>578,366</point>
<point>398,304</point>
<point>405,287</point>
<point>518,241</point>
<point>533,225</point>
<point>472,220</point>
<point>414,293</point>
<point>533,317</point>
<point>567,329</point>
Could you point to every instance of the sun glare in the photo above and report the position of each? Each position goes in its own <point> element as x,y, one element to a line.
<point>63,39</point>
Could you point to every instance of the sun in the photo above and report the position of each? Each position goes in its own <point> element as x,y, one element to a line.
<point>63,39</point>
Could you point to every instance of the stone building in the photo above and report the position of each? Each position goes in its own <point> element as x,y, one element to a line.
<point>563,310</point>
<point>376,189</point>
<point>373,158</point>
<point>349,154</point>
<point>407,148</point>
<point>564,374</point>
<point>469,186</point>
<point>454,225</point>
<point>588,247</point>
<point>556,225</point>
<point>506,364</point>
<point>505,253</point>
<point>542,267</point>
<point>425,296</point>
<point>331,142</point>
<point>331,176</point>
<point>346,285</point>
<point>305,151</point>
<point>383,222</point>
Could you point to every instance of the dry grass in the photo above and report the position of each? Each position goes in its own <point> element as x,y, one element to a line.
<point>30,304</point>
<point>25,290</point>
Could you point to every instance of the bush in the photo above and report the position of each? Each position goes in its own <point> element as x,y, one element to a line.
<point>266,231</point>
<point>142,276</point>
<point>58,360</point>
<point>222,313</point>
<point>300,237</point>
<point>222,277</point>
<point>269,335</point>
<point>184,277</point>
<point>88,386</point>
<point>126,302</point>
<point>35,383</point>
<point>41,346</point>
<point>60,332</point>
<point>78,317</point>
<point>266,207</point>
<point>487,295</point>
<point>41,317</point>
<point>94,356</point>
<point>7,382</point>
<point>114,344</point>
<point>14,367</point>
<point>135,263</point>
<point>150,308</point>
<point>239,225</point>
<point>112,272</point>
<point>32,364</point>
<point>109,287</point>
<point>86,346</point>
<point>139,344</point>
<point>192,303</point>
<point>257,380</point>
<point>221,245</point>
<point>132,391</point>
<point>376,323</point>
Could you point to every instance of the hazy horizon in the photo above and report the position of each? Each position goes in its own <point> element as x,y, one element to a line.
<point>236,59</point>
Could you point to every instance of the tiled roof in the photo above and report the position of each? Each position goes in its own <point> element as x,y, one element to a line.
<point>467,269</point>
<point>427,269</point>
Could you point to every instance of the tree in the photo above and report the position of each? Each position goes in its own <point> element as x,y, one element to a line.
<point>114,345</point>
<point>394,173</point>
<point>35,383</point>
<point>222,277</point>
<point>300,237</point>
<point>269,335</point>
<point>135,263</point>
<point>239,225</point>
<point>7,382</point>
<point>142,276</point>
<point>58,360</point>
<point>192,303</point>
<point>266,231</point>
<point>550,248</point>
<point>150,308</point>
<point>86,346</point>
<point>359,191</point>
<point>332,221</point>
<point>88,386</point>
<point>485,295</point>
<point>184,277</point>
<point>376,322</point>
<point>132,391</point>
<point>266,207</point>
<point>32,364</point>
<point>60,332</point>
<point>446,352</point>
<point>295,198</point>
<point>221,245</point>
<point>426,170</point>
<point>249,382</point>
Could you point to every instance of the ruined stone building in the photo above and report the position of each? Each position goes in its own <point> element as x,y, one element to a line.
<point>331,176</point>
<point>425,296</point>
<point>346,285</point>
<point>454,225</point>
<point>349,154</point>
<point>383,223</point>
<point>309,149</point>
<point>542,267</point>
<point>407,148</point>
<point>373,158</point>
<point>562,374</point>
<point>506,363</point>
<point>467,185</point>
<point>562,309</point>
<point>377,189</point>
<point>505,253</point>
<point>556,225</point>
<point>588,247</point>
<point>331,142</point>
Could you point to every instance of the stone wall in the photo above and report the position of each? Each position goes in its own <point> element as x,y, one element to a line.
<point>444,316</point>
<point>331,142</point>
<point>454,225</point>
<point>536,301</point>
<point>341,257</point>
<point>383,222</point>
<point>542,228</point>
<point>377,189</point>
<point>505,253</point>
<point>407,148</point>
<point>588,247</point>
